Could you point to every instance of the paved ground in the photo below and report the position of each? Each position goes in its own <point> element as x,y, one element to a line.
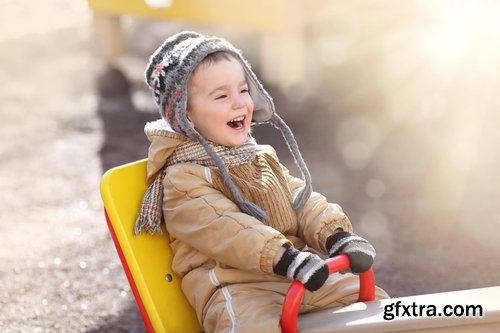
<point>402,137</point>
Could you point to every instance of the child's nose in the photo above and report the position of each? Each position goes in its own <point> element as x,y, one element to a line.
<point>238,102</point>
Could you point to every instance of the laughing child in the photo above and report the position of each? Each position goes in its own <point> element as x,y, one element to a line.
<point>241,227</point>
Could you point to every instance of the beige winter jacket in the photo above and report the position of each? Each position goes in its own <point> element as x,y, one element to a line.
<point>213,242</point>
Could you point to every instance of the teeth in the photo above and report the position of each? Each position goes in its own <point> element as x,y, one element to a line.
<point>238,119</point>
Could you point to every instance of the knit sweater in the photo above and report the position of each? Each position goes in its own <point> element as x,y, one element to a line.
<point>263,182</point>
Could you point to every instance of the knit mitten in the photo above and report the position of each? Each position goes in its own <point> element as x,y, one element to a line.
<point>360,252</point>
<point>305,267</point>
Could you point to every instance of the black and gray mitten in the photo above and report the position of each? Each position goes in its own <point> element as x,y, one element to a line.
<point>360,252</point>
<point>305,267</point>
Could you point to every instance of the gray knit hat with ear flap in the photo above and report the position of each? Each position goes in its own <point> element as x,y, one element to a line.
<point>168,73</point>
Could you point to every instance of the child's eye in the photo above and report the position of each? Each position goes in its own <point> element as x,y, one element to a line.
<point>244,90</point>
<point>221,97</point>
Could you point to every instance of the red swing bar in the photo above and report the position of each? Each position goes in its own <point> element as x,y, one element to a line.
<point>293,298</point>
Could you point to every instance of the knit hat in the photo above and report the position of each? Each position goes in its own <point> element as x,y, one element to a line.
<point>168,73</point>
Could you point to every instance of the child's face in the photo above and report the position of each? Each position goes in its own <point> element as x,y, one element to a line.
<point>219,104</point>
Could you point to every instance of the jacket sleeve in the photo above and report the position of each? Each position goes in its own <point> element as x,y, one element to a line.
<point>319,218</point>
<point>201,216</point>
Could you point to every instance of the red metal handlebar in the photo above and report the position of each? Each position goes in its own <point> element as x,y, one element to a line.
<point>293,298</point>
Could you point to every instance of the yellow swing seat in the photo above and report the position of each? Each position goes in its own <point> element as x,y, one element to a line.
<point>146,259</point>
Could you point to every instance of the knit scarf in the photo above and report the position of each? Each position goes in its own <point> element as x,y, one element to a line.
<point>192,151</point>
<point>150,215</point>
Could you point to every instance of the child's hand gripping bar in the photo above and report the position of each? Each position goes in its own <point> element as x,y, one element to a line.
<point>293,298</point>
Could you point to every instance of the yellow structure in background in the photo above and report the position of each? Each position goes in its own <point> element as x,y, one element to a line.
<point>278,21</point>
<point>261,15</point>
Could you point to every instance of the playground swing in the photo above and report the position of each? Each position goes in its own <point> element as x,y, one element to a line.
<point>164,308</point>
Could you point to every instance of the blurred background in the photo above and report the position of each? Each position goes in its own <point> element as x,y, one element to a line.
<point>394,105</point>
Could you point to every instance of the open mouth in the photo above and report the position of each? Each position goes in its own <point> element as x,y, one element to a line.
<point>237,123</point>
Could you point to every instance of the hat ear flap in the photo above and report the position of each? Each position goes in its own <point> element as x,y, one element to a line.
<point>263,105</point>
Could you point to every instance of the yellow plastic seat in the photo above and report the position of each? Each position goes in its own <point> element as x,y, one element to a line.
<point>146,259</point>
